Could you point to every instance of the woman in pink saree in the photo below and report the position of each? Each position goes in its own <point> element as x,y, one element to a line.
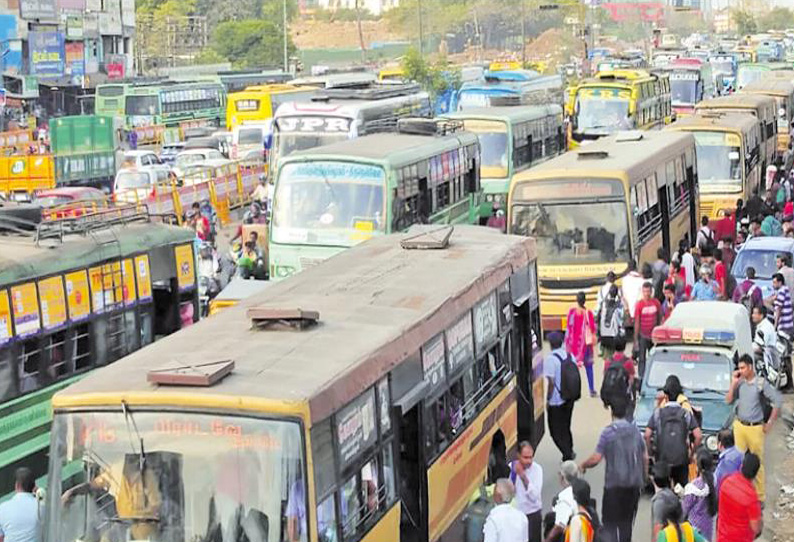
<point>580,337</point>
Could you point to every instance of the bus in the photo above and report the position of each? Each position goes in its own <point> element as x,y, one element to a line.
<point>617,100</point>
<point>333,197</point>
<point>259,103</point>
<point>724,65</point>
<point>691,81</point>
<point>762,107</point>
<point>512,139</point>
<point>782,91</point>
<point>750,72</point>
<point>538,89</point>
<point>729,148</point>
<point>77,294</point>
<point>337,114</point>
<point>165,104</point>
<point>369,415</point>
<point>593,210</point>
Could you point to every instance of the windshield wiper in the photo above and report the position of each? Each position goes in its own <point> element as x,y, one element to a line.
<point>142,454</point>
<point>698,391</point>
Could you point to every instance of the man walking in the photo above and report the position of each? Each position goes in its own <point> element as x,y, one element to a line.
<point>783,315</point>
<point>559,411</point>
<point>749,427</point>
<point>730,460</point>
<point>505,523</point>
<point>527,475</point>
<point>648,314</point>
<point>739,517</point>
<point>565,505</point>
<point>20,516</point>
<point>623,449</point>
<point>784,268</point>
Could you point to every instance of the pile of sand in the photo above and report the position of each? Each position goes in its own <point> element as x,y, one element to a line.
<point>313,34</point>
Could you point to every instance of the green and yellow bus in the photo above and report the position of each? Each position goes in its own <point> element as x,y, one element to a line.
<point>729,150</point>
<point>592,211</point>
<point>330,198</point>
<point>512,139</point>
<point>782,90</point>
<point>77,294</point>
<point>367,415</point>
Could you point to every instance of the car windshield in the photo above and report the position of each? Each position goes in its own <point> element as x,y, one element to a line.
<point>685,91</point>
<point>582,232</point>
<point>328,203</point>
<point>763,261</point>
<point>132,179</point>
<point>173,477</point>
<point>183,160</point>
<point>142,106</point>
<point>250,136</point>
<point>745,76</point>
<point>288,142</point>
<point>602,115</point>
<point>697,370</point>
<point>719,161</point>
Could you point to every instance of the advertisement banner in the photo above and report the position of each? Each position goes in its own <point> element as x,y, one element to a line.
<point>53,302</point>
<point>46,53</point>
<point>114,66</point>
<point>75,63</point>
<point>97,289</point>
<point>185,270</point>
<point>128,276</point>
<point>38,9</point>
<point>5,318</point>
<point>74,28</point>
<point>77,295</point>
<point>142,277</point>
<point>25,302</point>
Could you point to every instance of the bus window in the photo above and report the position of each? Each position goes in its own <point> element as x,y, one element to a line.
<point>8,378</point>
<point>142,105</point>
<point>30,366</point>
<point>81,342</point>
<point>58,365</point>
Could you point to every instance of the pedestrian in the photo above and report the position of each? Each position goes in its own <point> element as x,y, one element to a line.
<point>617,385</point>
<point>564,505</point>
<point>558,410</point>
<point>580,337</point>
<point>783,263</point>
<point>741,211</point>
<point>771,226</point>
<point>705,289</point>
<point>748,293</point>
<point>648,313</point>
<point>700,496</point>
<point>610,321</point>
<point>750,424</point>
<point>739,517</point>
<point>623,449</point>
<point>755,227</point>
<point>21,515</point>
<point>730,459</point>
<point>755,204</point>
<point>783,314</point>
<point>669,303</point>
<point>659,271</point>
<point>664,497</point>
<point>631,288</point>
<point>720,274</point>
<point>673,433</point>
<point>676,528</point>
<point>584,523</point>
<point>687,262</point>
<point>527,475</point>
<point>704,240</point>
<point>504,522</point>
<point>604,290</point>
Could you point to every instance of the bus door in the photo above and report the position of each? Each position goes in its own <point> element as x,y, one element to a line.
<point>413,470</point>
<point>665,207</point>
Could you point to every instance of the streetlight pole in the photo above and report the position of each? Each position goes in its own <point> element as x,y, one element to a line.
<point>523,34</point>
<point>284,22</point>
<point>421,28</point>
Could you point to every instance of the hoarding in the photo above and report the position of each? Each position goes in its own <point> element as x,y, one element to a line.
<point>46,53</point>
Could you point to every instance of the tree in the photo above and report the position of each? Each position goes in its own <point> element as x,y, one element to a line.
<point>273,10</point>
<point>745,22</point>
<point>436,78</point>
<point>250,43</point>
<point>778,18</point>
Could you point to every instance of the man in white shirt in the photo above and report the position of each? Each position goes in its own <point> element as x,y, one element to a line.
<point>705,237</point>
<point>565,505</point>
<point>631,288</point>
<point>527,476</point>
<point>687,263</point>
<point>505,523</point>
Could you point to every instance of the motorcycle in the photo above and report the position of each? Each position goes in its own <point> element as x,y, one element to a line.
<point>775,368</point>
<point>209,277</point>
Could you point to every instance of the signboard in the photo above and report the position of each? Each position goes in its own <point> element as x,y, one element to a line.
<point>485,324</point>
<point>433,360</point>
<point>460,343</point>
<point>314,124</point>
<point>185,271</point>
<point>74,28</point>
<point>53,302</point>
<point>355,427</point>
<point>384,404</point>
<point>142,277</point>
<point>688,75</point>
<point>38,9</point>
<point>114,66</point>
<point>75,61</point>
<point>25,303</point>
<point>46,53</point>
<point>77,295</point>
<point>128,282</point>
<point>5,318</point>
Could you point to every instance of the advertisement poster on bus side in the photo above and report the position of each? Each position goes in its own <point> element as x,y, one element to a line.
<point>5,318</point>
<point>53,302</point>
<point>185,270</point>
<point>77,295</point>
<point>117,282</point>
<point>143,278</point>
<point>97,289</point>
<point>128,279</point>
<point>25,304</point>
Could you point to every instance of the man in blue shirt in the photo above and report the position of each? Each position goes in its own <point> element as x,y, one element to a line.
<point>559,412</point>
<point>20,516</point>
<point>730,458</point>
<point>705,289</point>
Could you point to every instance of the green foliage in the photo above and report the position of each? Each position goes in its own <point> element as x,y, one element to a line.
<point>436,77</point>
<point>745,22</point>
<point>250,43</point>
<point>273,10</point>
<point>778,18</point>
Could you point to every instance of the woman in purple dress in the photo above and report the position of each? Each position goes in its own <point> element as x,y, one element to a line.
<point>700,497</point>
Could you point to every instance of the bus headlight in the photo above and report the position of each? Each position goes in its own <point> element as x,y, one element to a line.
<point>711,443</point>
<point>284,271</point>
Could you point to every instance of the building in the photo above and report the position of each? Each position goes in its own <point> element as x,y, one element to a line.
<point>376,7</point>
<point>55,51</point>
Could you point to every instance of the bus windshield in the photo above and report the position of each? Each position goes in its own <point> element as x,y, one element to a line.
<point>719,158</point>
<point>328,203</point>
<point>174,476</point>
<point>288,142</point>
<point>142,105</point>
<point>493,138</point>
<point>602,116</point>
<point>685,91</point>
<point>746,75</point>
<point>580,232</point>
<point>721,65</point>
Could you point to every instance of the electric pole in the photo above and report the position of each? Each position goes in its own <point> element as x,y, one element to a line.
<point>284,22</point>
<point>523,34</point>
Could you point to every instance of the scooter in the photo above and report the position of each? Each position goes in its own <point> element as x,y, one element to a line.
<point>776,369</point>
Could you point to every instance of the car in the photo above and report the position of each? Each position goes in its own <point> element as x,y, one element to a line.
<point>136,184</point>
<point>192,156</point>
<point>760,253</point>
<point>250,136</point>
<point>138,158</point>
<point>169,151</point>
<point>700,342</point>
<point>69,201</point>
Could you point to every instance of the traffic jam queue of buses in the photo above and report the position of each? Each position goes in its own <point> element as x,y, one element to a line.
<point>414,262</point>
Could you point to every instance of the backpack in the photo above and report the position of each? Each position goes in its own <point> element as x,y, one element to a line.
<point>594,526</point>
<point>615,385</point>
<point>710,244</point>
<point>475,516</point>
<point>570,379</point>
<point>747,299</point>
<point>687,532</point>
<point>672,438</point>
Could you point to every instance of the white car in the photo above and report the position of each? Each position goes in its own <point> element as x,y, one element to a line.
<point>137,159</point>
<point>192,156</point>
<point>136,184</point>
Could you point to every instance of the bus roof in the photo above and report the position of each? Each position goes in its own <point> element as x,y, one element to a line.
<point>276,88</point>
<point>715,120</point>
<point>389,147</point>
<point>737,100</point>
<point>511,113</point>
<point>770,87</point>
<point>628,152</point>
<point>378,303</point>
<point>22,259</point>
